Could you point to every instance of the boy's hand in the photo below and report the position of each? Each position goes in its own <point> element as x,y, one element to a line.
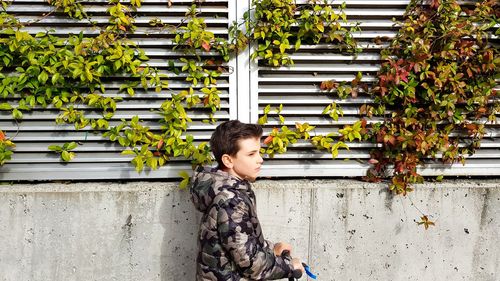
<point>280,247</point>
<point>297,264</point>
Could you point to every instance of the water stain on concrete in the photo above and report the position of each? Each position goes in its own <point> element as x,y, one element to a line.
<point>484,210</point>
<point>389,198</point>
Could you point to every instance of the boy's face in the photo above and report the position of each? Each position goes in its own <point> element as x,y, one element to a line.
<point>247,161</point>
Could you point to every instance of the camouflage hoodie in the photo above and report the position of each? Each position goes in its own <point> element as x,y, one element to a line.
<point>230,241</point>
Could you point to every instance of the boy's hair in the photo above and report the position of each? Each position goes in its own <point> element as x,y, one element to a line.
<point>225,138</point>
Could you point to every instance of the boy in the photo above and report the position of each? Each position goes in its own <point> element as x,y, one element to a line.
<point>231,243</point>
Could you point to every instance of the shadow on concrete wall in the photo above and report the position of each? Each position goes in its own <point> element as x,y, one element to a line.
<point>180,222</point>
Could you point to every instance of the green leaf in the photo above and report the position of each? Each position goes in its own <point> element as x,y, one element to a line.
<point>55,78</point>
<point>102,123</point>
<point>161,161</point>
<point>56,148</point>
<point>335,153</point>
<point>43,77</point>
<point>267,109</point>
<point>185,179</point>
<point>152,163</point>
<point>67,156</point>
<point>184,183</point>
<point>17,114</point>
<point>298,44</point>
<point>320,27</point>
<point>30,100</point>
<point>262,120</point>
<point>139,163</point>
<point>128,152</point>
<point>357,135</point>
<point>5,106</point>
<point>71,145</point>
<point>283,48</point>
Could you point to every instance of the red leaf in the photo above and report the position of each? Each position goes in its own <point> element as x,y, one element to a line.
<point>383,90</point>
<point>469,72</point>
<point>205,46</point>
<point>354,93</point>
<point>391,140</point>
<point>399,167</point>
<point>363,122</point>
<point>328,85</point>
<point>160,144</point>
<point>268,140</point>
<point>404,75</point>
<point>435,4</point>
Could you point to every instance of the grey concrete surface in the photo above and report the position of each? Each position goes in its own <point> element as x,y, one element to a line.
<point>345,229</point>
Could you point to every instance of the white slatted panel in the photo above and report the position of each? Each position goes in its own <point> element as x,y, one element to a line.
<point>96,157</point>
<point>297,88</point>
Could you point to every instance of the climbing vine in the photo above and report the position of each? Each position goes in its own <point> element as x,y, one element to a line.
<point>68,73</point>
<point>280,28</point>
<point>435,90</point>
<point>151,149</point>
<point>65,151</point>
<point>438,79</point>
<point>279,31</point>
<point>6,146</point>
<point>436,82</point>
<point>435,93</point>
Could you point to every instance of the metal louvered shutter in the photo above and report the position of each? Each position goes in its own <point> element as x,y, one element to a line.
<point>96,157</point>
<point>245,92</point>
<point>297,88</point>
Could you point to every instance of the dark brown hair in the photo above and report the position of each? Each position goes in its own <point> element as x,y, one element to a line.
<point>225,138</point>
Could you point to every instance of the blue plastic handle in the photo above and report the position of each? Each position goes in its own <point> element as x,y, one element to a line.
<point>309,273</point>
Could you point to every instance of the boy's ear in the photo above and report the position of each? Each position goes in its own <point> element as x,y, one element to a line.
<point>228,161</point>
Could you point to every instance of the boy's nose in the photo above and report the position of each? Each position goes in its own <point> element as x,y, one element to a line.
<point>260,160</point>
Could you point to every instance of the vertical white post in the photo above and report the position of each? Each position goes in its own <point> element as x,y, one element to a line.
<point>233,67</point>
<point>253,72</point>
<point>244,90</point>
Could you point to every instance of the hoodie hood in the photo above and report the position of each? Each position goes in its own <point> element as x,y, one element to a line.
<point>207,182</point>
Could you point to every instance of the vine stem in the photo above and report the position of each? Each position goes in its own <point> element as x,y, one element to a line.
<point>420,211</point>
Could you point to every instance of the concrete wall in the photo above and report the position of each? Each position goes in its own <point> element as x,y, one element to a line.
<point>346,230</point>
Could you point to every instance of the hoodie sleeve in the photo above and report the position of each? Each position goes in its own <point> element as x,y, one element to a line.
<point>254,259</point>
<point>269,245</point>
